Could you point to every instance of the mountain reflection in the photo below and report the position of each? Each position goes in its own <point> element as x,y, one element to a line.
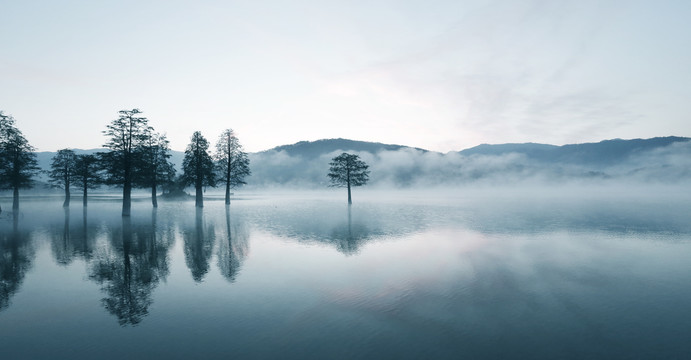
<point>16,257</point>
<point>233,249</point>
<point>132,264</point>
<point>199,243</point>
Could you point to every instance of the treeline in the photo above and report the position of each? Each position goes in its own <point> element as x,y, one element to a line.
<point>138,157</point>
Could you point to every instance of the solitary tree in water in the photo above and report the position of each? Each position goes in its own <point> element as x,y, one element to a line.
<point>17,159</point>
<point>125,134</point>
<point>231,161</point>
<point>87,174</point>
<point>62,171</point>
<point>348,170</point>
<point>154,168</point>
<point>198,167</point>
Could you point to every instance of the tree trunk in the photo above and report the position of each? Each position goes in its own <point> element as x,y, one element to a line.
<point>67,195</point>
<point>15,200</point>
<point>127,185</point>
<point>84,199</point>
<point>154,202</point>
<point>199,202</point>
<point>350,200</point>
<point>126,198</point>
<point>228,193</point>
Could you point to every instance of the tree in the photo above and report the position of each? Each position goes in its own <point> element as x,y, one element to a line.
<point>231,162</point>
<point>61,171</point>
<point>125,135</point>
<point>348,170</point>
<point>17,159</point>
<point>87,174</point>
<point>154,167</point>
<point>198,167</point>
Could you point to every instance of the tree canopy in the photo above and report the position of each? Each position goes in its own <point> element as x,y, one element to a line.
<point>153,163</point>
<point>125,134</point>
<point>232,162</point>
<point>62,171</point>
<point>87,174</point>
<point>347,170</point>
<point>198,166</point>
<point>17,159</point>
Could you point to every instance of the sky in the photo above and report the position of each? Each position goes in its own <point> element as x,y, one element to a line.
<point>439,75</point>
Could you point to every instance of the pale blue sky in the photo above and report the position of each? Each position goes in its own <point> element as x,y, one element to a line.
<point>441,75</point>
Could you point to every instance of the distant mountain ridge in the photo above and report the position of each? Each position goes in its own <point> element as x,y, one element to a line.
<point>312,149</point>
<point>603,153</point>
<point>305,163</point>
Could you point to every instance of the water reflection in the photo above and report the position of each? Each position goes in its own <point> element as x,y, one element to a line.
<point>128,269</point>
<point>349,236</point>
<point>345,228</point>
<point>16,257</point>
<point>73,239</point>
<point>233,249</point>
<point>198,245</point>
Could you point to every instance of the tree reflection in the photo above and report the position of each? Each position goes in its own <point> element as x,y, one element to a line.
<point>349,237</point>
<point>16,257</point>
<point>70,242</point>
<point>129,269</point>
<point>199,244</point>
<point>233,250</point>
<point>345,229</point>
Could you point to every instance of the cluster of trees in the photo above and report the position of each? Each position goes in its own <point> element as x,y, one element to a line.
<point>139,157</point>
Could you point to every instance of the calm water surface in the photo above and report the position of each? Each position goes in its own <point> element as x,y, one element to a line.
<point>595,276</point>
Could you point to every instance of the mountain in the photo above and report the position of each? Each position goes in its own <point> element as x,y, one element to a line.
<point>306,163</point>
<point>313,149</point>
<point>601,154</point>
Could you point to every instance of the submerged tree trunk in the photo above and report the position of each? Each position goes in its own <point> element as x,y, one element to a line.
<point>350,200</point>
<point>127,187</point>
<point>154,201</point>
<point>15,200</point>
<point>84,199</point>
<point>199,202</point>
<point>67,195</point>
<point>126,199</point>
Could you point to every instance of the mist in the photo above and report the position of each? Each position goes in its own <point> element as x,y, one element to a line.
<point>414,168</point>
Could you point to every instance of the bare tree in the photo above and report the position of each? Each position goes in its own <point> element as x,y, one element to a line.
<point>61,174</point>
<point>198,167</point>
<point>125,135</point>
<point>232,163</point>
<point>17,159</point>
<point>348,170</point>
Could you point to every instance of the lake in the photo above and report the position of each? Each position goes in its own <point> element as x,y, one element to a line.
<point>560,274</point>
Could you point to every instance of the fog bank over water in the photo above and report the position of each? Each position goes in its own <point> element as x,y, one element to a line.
<point>304,165</point>
<point>409,167</point>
